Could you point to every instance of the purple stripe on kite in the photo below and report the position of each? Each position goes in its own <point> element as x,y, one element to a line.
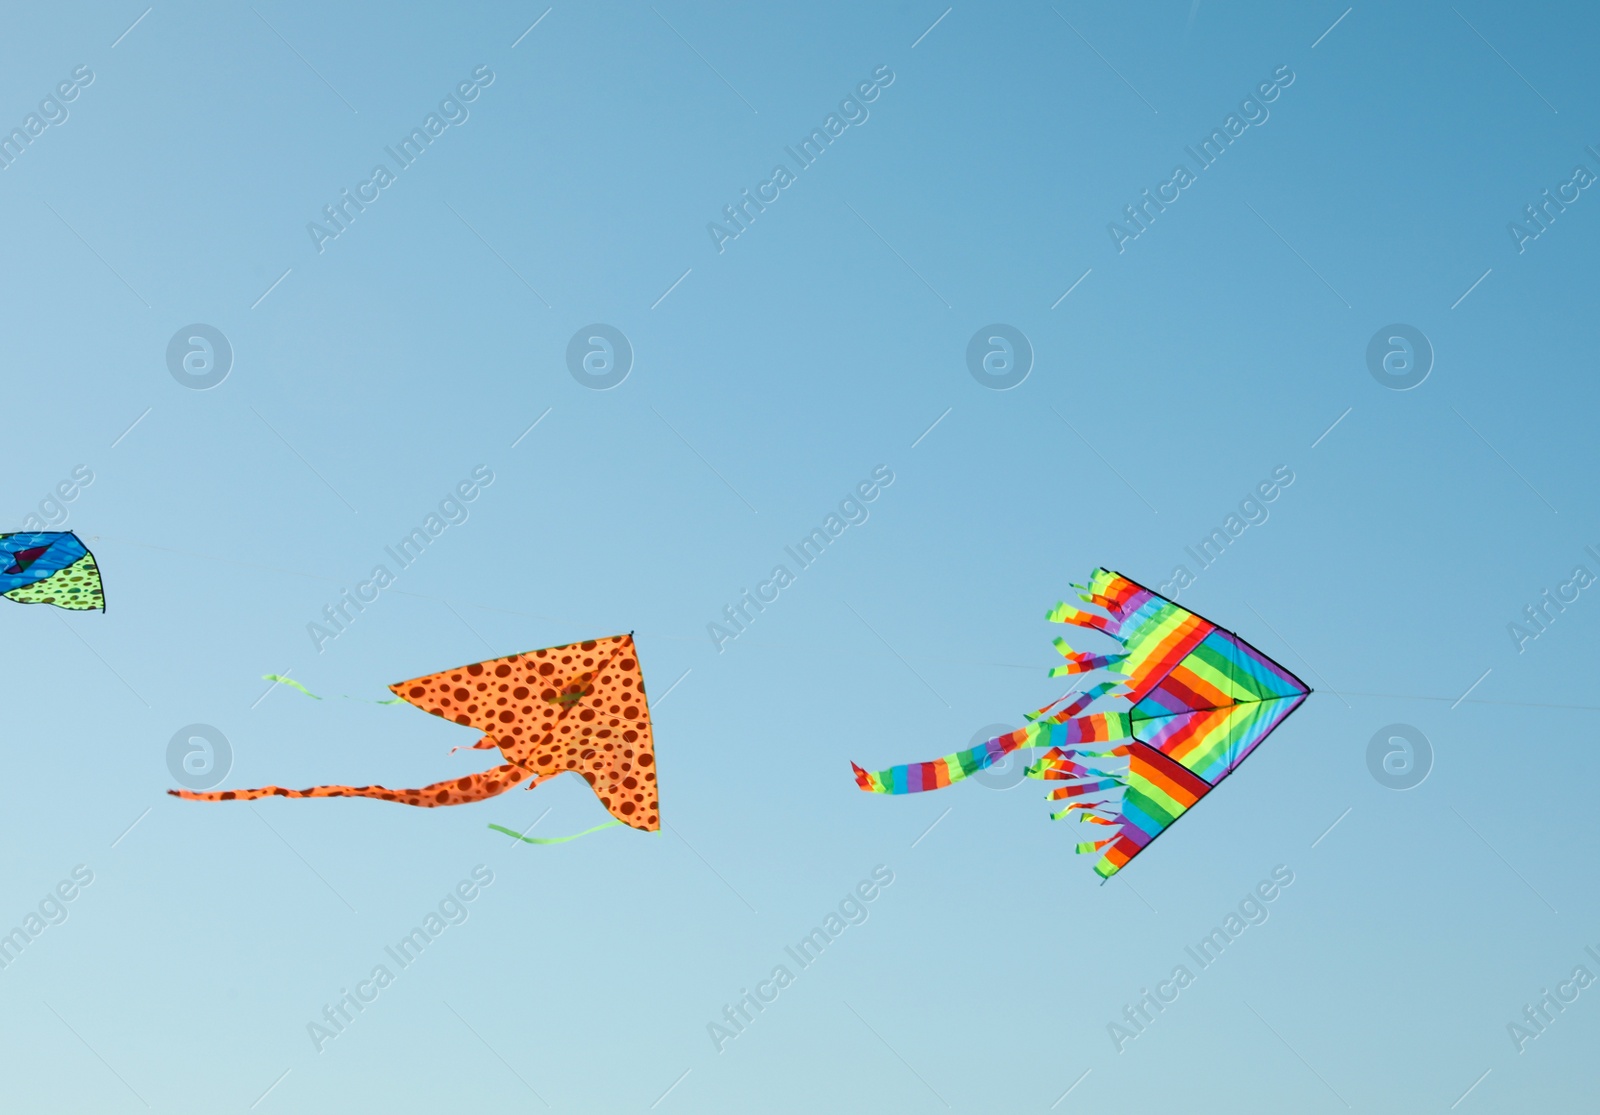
<point>1166,701</point>
<point>1269,666</point>
<point>1165,727</point>
<point>1138,610</point>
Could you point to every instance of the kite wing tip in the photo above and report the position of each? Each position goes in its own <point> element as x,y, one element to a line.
<point>863,779</point>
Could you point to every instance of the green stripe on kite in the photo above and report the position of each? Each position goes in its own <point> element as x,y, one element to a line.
<point>553,839</point>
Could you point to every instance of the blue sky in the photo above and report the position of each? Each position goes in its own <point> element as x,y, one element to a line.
<point>574,183</point>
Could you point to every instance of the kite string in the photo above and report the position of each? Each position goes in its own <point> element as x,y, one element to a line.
<point>1470,700</point>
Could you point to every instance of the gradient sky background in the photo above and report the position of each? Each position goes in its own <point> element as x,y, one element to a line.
<point>824,342</point>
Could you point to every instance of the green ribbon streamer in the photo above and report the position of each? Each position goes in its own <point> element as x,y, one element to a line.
<point>292,684</point>
<point>553,839</point>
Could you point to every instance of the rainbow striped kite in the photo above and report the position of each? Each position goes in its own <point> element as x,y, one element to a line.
<point>1199,699</point>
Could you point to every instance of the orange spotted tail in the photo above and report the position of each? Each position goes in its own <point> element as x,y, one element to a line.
<point>456,791</point>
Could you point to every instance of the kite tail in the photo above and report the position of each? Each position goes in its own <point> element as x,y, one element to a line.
<point>913,778</point>
<point>1137,801</point>
<point>1085,699</point>
<point>1058,731</point>
<point>1155,633</point>
<point>454,791</point>
<point>1066,613</point>
<point>1123,605</point>
<point>1132,608</point>
<point>553,839</point>
<point>280,679</point>
<point>1123,600</point>
<point>1113,592</point>
<point>1079,662</point>
<point>1060,764</point>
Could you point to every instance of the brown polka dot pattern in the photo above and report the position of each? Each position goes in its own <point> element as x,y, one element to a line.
<point>578,708</point>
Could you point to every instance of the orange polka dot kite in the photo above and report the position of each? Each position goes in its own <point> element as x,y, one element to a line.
<point>578,708</point>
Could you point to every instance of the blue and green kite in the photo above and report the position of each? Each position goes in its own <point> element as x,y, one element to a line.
<point>50,567</point>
